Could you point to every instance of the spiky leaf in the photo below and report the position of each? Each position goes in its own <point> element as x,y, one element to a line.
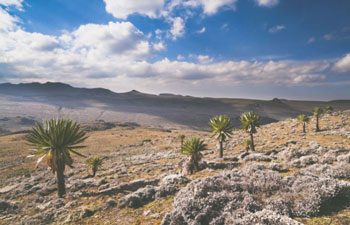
<point>55,140</point>
<point>250,121</point>
<point>221,127</point>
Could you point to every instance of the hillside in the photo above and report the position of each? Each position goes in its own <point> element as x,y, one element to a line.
<point>292,178</point>
<point>36,101</point>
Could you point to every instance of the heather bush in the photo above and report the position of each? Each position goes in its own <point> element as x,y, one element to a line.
<point>256,195</point>
<point>257,157</point>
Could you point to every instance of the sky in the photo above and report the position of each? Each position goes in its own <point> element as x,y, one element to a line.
<point>261,49</point>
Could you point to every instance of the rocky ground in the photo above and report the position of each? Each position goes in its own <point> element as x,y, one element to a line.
<point>292,178</point>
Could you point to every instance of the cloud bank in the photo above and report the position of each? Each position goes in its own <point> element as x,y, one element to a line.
<point>119,55</point>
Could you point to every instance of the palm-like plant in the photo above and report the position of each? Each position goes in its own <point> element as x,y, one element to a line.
<point>56,140</point>
<point>303,119</point>
<point>317,113</point>
<point>247,144</point>
<point>329,109</point>
<point>181,137</point>
<point>193,148</point>
<point>221,129</point>
<point>249,122</point>
<point>94,164</point>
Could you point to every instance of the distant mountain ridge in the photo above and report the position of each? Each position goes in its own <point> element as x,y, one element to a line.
<point>49,88</point>
<point>45,100</point>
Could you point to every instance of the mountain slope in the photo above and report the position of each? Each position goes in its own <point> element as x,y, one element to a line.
<point>41,101</point>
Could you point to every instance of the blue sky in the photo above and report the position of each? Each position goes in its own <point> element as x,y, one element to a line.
<point>224,48</point>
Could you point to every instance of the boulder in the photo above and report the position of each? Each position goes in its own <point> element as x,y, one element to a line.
<point>259,157</point>
<point>8,188</point>
<point>139,197</point>
<point>86,212</point>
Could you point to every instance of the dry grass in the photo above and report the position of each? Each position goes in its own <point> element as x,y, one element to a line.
<point>151,213</point>
<point>204,173</point>
<point>13,160</point>
<point>327,140</point>
<point>339,218</point>
<point>124,143</point>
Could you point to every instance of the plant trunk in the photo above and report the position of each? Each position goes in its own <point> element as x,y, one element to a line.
<point>196,166</point>
<point>93,172</point>
<point>304,129</point>
<point>317,125</point>
<point>190,165</point>
<point>221,150</point>
<point>60,180</point>
<point>252,142</point>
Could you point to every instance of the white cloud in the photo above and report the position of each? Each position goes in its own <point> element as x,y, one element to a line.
<point>267,3</point>
<point>119,38</point>
<point>159,34</point>
<point>158,46</point>
<point>339,34</point>
<point>118,53</point>
<point>123,8</point>
<point>204,59</point>
<point>16,3</point>
<point>201,31</point>
<point>8,22</point>
<point>343,65</point>
<point>35,41</point>
<point>164,9</point>
<point>180,58</point>
<point>178,27</point>
<point>91,51</point>
<point>211,7</point>
<point>240,72</point>
<point>277,29</point>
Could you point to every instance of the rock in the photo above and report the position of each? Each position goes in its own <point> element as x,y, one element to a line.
<point>131,186</point>
<point>171,184</point>
<point>139,197</point>
<point>101,182</point>
<point>340,171</point>
<point>259,157</point>
<point>47,190</point>
<point>243,155</point>
<point>280,167</point>
<point>262,217</point>
<point>174,179</point>
<point>187,168</point>
<point>328,158</point>
<point>272,152</point>
<point>232,159</point>
<point>305,161</point>
<point>344,158</point>
<point>76,186</point>
<point>71,204</point>
<point>314,144</point>
<point>111,203</point>
<point>68,219</point>
<point>43,206</point>
<point>86,212</point>
<point>8,188</point>
<point>57,203</point>
<point>104,186</point>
